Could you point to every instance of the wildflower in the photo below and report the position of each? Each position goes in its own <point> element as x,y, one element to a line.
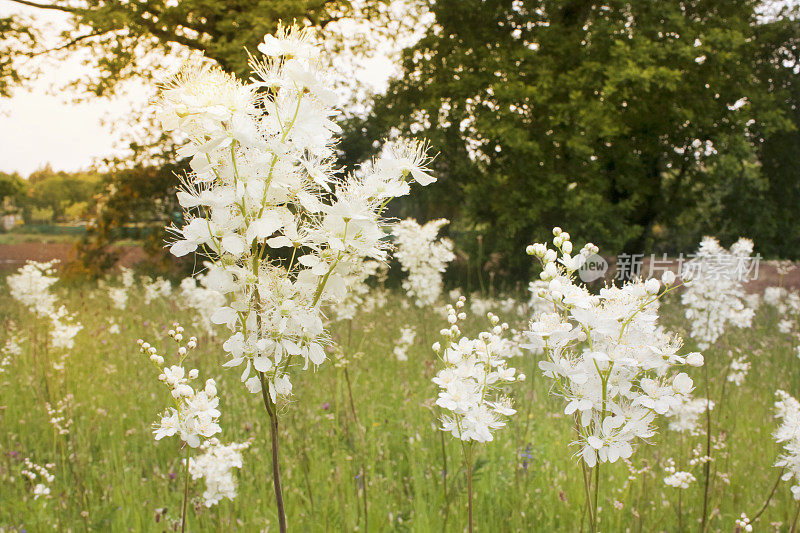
<point>408,335</point>
<point>39,476</point>
<point>195,415</point>
<point>609,359</point>
<point>743,523</point>
<point>685,416</point>
<point>738,370</point>
<point>195,294</point>
<point>715,297</point>
<point>474,369</point>
<point>215,464</point>
<point>677,478</point>
<point>263,179</point>
<point>788,433</point>
<point>119,297</point>
<point>158,288</point>
<point>423,258</point>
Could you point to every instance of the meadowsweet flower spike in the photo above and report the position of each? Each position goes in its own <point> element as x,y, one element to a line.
<point>715,296</point>
<point>284,231</point>
<point>473,374</point>
<point>195,414</point>
<point>608,358</point>
<point>423,257</point>
<point>215,464</point>
<point>30,286</point>
<point>788,433</point>
<point>40,477</point>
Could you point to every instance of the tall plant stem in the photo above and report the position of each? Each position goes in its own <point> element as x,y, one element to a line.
<point>350,395</point>
<point>364,497</point>
<point>707,465</point>
<point>769,498</point>
<point>596,494</point>
<point>468,457</point>
<point>185,491</point>
<point>588,497</point>
<point>276,471</point>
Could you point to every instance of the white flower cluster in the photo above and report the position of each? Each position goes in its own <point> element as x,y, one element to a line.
<point>423,257</point>
<point>408,336</point>
<point>774,295</point>
<point>263,201</point>
<point>715,295</point>
<point>126,276</point>
<point>59,416</point>
<point>10,349</point>
<point>215,464</point>
<point>788,434</point>
<point>357,289</point>
<point>65,327</point>
<point>685,416</point>
<point>195,414</point>
<point>480,306</point>
<point>119,297</point>
<point>154,289</point>
<point>40,476</point>
<point>743,523</point>
<point>739,368</point>
<point>608,357</point>
<point>195,294</point>
<point>537,304</point>
<point>474,370</point>
<point>677,478</point>
<point>31,287</point>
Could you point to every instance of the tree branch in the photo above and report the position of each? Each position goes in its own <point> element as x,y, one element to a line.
<point>70,43</point>
<point>55,7</point>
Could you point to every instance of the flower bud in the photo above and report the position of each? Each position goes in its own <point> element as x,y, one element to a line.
<point>668,277</point>
<point>694,359</point>
<point>567,247</point>
<point>436,347</point>
<point>556,231</point>
<point>652,286</point>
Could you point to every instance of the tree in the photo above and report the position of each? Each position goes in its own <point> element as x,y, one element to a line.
<point>120,34</point>
<point>135,203</point>
<point>610,118</point>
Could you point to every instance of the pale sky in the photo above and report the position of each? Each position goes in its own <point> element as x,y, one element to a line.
<point>39,128</point>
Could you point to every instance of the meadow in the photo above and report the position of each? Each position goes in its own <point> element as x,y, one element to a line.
<point>360,445</point>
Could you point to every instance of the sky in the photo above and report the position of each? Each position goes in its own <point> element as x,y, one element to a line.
<point>40,126</point>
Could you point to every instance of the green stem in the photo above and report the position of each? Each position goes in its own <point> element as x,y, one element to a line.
<point>185,491</point>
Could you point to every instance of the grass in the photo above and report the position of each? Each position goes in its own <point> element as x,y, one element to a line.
<point>112,476</point>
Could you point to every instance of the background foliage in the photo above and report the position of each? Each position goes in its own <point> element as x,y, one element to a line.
<point>644,125</point>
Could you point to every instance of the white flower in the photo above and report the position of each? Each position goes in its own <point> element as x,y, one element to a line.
<point>263,177</point>
<point>423,257</point>
<point>469,383</point>
<point>606,354</point>
<point>715,297</point>
<point>788,434</point>
<point>215,464</point>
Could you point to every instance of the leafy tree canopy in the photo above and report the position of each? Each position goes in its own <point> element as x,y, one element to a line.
<point>124,38</point>
<point>611,118</point>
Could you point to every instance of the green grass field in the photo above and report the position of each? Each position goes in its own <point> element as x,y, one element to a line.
<point>110,474</point>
